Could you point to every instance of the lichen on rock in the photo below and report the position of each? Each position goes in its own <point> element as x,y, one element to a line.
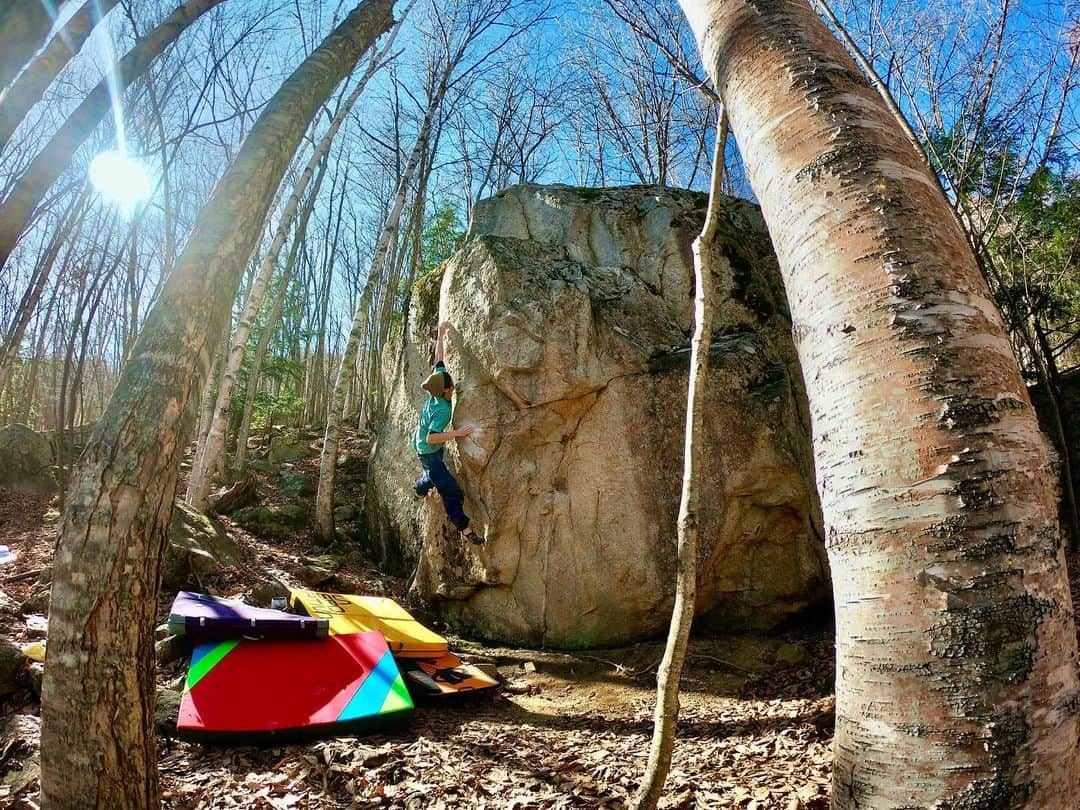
<point>572,313</point>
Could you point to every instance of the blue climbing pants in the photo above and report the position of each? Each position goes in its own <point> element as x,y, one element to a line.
<point>438,476</point>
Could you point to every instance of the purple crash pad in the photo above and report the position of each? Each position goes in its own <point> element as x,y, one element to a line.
<point>208,617</point>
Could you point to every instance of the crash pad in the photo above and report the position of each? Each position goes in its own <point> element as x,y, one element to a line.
<point>247,691</point>
<point>210,617</point>
<point>352,614</point>
<point>444,676</point>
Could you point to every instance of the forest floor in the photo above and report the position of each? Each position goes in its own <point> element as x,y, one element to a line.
<point>565,730</point>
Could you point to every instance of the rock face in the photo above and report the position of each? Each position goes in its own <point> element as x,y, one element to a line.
<point>283,448</point>
<point>25,458</point>
<point>573,311</point>
<point>272,521</point>
<point>12,664</point>
<point>20,766</point>
<point>198,545</point>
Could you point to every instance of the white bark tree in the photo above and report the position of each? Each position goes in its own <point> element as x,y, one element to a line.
<point>209,452</point>
<point>666,714</point>
<point>956,647</point>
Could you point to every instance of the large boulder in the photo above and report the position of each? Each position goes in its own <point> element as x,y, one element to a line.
<point>286,449</point>
<point>296,485</point>
<point>198,545</point>
<point>573,315</point>
<point>272,521</point>
<point>12,665</point>
<point>25,458</point>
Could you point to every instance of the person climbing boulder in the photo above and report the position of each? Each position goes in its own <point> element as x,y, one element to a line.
<point>431,435</point>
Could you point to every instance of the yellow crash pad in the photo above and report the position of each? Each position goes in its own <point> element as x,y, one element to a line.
<point>406,637</point>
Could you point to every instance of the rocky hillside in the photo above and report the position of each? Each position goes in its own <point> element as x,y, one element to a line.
<point>573,315</point>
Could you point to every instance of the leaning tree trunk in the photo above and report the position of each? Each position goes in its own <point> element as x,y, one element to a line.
<point>50,162</point>
<point>955,643</point>
<point>27,90</point>
<point>272,319</point>
<point>24,24</point>
<point>98,745</point>
<point>210,452</point>
<point>324,497</point>
<point>668,675</point>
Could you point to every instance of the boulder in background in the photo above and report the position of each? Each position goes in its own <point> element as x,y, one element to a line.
<point>25,459</point>
<point>573,317</point>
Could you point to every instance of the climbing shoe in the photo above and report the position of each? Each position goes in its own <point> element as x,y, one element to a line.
<point>472,537</point>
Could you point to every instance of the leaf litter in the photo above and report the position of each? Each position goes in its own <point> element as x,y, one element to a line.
<point>565,731</point>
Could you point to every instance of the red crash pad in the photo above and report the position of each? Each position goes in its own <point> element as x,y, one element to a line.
<point>270,691</point>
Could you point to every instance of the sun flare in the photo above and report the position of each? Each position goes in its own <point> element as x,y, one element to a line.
<point>121,179</point>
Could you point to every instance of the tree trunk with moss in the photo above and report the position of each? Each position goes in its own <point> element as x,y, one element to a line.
<point>97,741</point>
<point>956,647</point>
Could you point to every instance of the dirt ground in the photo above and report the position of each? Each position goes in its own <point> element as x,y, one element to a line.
<point>564,731</point>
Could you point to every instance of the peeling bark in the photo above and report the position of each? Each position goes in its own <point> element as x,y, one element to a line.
<point>956,647</point>
<point>98,744</point>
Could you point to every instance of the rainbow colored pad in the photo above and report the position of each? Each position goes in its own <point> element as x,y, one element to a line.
<point>355,614</point>
<point>208,617</point>
<point>243,691</point>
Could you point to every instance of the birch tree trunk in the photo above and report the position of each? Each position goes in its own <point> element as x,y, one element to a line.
<point>666,714</point>
<point>210,452</point>
<point>18,207</point>
<point>206,399</point>
<point>260,352</point>
<point>956,647</point>
<point>324,498</point>
<point>98,746</point>
<point>26,91</point>
<point>24,24</point>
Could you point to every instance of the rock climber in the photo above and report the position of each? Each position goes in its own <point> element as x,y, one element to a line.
<point>432,433</point>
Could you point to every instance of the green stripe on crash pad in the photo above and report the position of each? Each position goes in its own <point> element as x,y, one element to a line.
<point>397,699</point>
<point>202,664</point>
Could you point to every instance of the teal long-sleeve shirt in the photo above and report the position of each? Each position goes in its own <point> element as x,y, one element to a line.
<point>434,418</point>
